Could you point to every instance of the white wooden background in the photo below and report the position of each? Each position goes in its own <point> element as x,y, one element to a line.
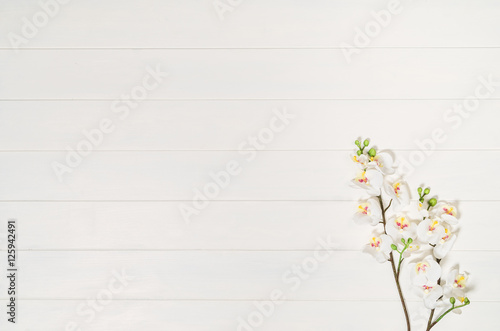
<point>119,209</point>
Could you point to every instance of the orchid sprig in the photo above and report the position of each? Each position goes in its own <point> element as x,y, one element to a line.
<point>453,307</point>
<point>406,244</point>
<point>426,226</point>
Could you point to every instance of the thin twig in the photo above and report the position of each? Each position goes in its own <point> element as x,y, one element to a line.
<point>429,322</point>
<point>444,314</point>
<point>390,202</point>
<point>394,272</point>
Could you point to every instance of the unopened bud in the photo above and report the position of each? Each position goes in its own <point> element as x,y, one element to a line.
<point>357,143</point>
<point>410,240</point>
<point>427,191</point>
<point>394,247</point>
<point>366,142</point>
<point>403,240</point>
<point>452,300</point>
<point>419,190</point>
<point>359,153</point>
<point>432,202</point>
<point>372,152</point>
<point>467,301</point>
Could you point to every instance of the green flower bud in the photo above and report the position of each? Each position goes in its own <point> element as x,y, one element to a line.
<point>357,143</point>
<point>366,142</point>
<point>394,247</point>
<point>432,202</point>
<point>410,240</point>
<point>427,191</point>
<point>419,190</point>
<point>467,301</point>
<point>421,199</point>
<point>372,152</point>
<point>359,152</point>
<point>452,300</point>
<point>403,240</point>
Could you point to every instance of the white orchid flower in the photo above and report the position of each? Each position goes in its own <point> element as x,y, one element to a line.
<point>430,231</point>
<point>412,248</point>
<point>425,272</point>
<point>456,284</point>
<point>445,244</point>
<point>430,293</point>
<point>368,212</point>
<point>446,212</point>
<point>382,162</point>
<point>401,226</point>
<point>379,247</point>
<point>417,211</point>
<point>399,192</point>
<point>360,160</point>
<point>371,180</point>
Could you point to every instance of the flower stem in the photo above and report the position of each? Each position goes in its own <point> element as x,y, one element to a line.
<point>401,259</point>
<point>444,314</point>
<point>429,322</point>
<point>395,273</point>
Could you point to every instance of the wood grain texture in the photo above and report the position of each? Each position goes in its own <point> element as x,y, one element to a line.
<point>223,125</point>
<point>248,74</point>
<point>259,23</point>
<point>230,275</point>
<point>131,315</point>
<point>224,225</point>
<point>287,175</point>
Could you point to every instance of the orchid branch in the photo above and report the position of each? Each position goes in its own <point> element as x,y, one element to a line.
<point>431,316</point>
<point>390,202</point>
<point>453,307</point>
<point>406,244</point>
<point>393,265</point>
<point>433,224</point>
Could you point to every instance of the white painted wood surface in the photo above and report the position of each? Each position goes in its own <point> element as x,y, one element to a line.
<point>118,211</point>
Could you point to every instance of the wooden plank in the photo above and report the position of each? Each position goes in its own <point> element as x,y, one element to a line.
<point>258,23</point>
<point>216,315</point>
<point>223,125</point>
<point>247,74</point>
<point>228,275</point>
<point>269,176</point>
<point>224,225</point>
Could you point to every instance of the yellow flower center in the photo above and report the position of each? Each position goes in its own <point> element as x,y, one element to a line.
<point>460,281</point>
<point>446,235</point>
<point>449,210</point>
<point>427,288</point>
<point>432,227</point>
<point>361,178</point>
<point>402,223</point>
<point>422,267</point>
<point>377,160</point>
<point>397,188</point>
<point>375,243</point>
<point>364,208</point>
